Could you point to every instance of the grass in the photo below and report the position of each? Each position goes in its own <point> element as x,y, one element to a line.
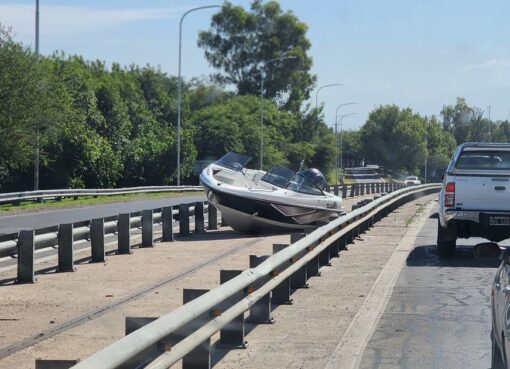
<point>421,208</point>
<point>90,200</point>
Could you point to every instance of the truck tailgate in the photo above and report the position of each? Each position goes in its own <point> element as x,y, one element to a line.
<point>482,193</point>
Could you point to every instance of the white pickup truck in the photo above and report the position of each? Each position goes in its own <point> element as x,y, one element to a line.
<point>475,198</point>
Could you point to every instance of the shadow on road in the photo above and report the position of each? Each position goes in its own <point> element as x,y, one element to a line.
<point>427,256</point>
<point>227,234</point>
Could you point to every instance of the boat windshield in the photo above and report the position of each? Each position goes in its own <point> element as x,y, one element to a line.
<point>278,176</point>
<point>233,160</point>
<point>302,184</point>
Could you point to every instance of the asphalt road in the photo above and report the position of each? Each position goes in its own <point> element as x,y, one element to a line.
<point>47,218</point>
<point>363,175</point>
<point>439,312</point>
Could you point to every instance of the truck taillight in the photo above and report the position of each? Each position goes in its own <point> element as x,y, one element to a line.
<point>449,195</point>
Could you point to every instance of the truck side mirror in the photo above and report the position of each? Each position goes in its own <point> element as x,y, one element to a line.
<point>439,174</point>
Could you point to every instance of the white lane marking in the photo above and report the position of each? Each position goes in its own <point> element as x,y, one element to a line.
<point>350,349</point>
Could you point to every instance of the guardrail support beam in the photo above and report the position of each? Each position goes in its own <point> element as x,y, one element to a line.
<point>212,215</point>
<point>147,231</point>
<point>134,323</point>
<point>232,335</point>
<point>300,278</point>
<point>312,268</point>
<point>26,248</point>
<point>65,248</point>
<point>344,191</point>
<point>167,220</point>
<point>324,255</point>
<point>199,217</point>
<point>124,234</point>
<point>281,293</point>
<point>97,240</point>
<point>260,312</point>
<point>184,220</point>
<point>200,357</point>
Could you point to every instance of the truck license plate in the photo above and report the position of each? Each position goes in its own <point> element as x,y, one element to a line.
<point>499,221</point>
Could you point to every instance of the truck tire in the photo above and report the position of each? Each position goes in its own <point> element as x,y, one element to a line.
<point>446,238</point>
<point>497,361</point>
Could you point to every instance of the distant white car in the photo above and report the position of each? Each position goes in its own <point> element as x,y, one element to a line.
<point>411,181</point>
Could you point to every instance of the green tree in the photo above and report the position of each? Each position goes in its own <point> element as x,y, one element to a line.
<point>239,42</point>
<point>235,125</point>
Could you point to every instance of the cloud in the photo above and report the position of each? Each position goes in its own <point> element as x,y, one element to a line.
<point>69,20</point>
<point>488,65</point>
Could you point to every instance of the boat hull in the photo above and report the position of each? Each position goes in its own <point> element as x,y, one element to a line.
<point>245,214</point>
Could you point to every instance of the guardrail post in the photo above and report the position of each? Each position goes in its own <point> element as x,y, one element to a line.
<point>281,293</point>
<point>147,225</point>
<point>184,220</point>
<point>55,364</point>
<point>124,234</point>
<point>232,335</point>
<point>300,278</point>
<point>372,188</point>
<point>199,217</point>
<point>65,248</point>
<point>212,217</point>
<point>342,243</point>
<point>134,323</point>
<point>312,268</point>
<point>344,191</point>
<point>356,186</point>
<point>335,189</point>
<point>353,190</point>
<point>362,185</point>
<point>324,256</point>
<point>97,240</point>
<point>26,248</point>
<point>260,312</point>
<point>167,222</point>
<point>200,357</point>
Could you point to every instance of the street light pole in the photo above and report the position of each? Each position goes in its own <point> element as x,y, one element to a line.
<point>342,136</point>
<point>179,88</point>
<point>336,136</point>
<point>427,153</point>
<point>36,159</point>
<point>262,103</point>
<point>320,88</point>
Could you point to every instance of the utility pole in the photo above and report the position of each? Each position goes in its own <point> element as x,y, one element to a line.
<point>36,159</point>
<point>427,153</point>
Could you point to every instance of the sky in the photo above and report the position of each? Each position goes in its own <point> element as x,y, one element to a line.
<point>420,54</point>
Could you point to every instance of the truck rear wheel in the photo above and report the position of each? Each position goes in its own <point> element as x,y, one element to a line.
<point>446,238</point>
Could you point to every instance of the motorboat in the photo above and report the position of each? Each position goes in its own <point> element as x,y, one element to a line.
<point>257,201</point>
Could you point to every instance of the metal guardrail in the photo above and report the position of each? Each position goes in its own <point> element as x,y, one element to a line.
<point>26,242</point>
<point>184,334</point>
<point>17,197</point>
<point>13,197</point>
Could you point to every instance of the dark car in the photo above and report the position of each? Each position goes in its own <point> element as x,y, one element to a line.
<point>500,304</point>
